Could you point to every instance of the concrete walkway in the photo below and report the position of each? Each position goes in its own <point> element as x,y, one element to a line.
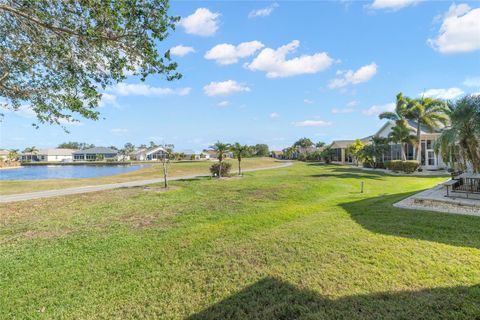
<point>102,187</point>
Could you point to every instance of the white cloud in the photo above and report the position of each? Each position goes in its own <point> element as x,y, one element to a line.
<point>312,123</point>
<point>125,89</point>
<point>363,74</point>
<point>352,103</point>
<point>376,110</point>
<point>224,103</point>
<point>393,4</point>
<point>275,64</point>
<point>342,110</point>
<point>202,22</point>
<point>181,50</point>
<point>274,115</point>
<point>108,99</point>
<point>307,101</point>
<point>460,30</point>
<point>263,12</point>
<point>449,93</point>
<point>472,82</point>
<point>119,131</point>
<point>224,88</point>
<point>226,53</point>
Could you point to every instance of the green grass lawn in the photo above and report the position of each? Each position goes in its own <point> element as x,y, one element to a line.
<point>294,243</point>
<point>154,170</point>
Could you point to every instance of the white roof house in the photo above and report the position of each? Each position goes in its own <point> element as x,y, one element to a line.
<point>148,154</point>
<point>51,155</point>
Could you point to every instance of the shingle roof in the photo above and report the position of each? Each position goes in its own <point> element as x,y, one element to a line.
<point>97,150</point>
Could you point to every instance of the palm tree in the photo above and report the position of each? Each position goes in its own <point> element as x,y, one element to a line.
<point>221,149</point>
<point>400,112</point>
<point>401,134</point>
<point>13,155</point>
<point>32,150</point>
<point>461,141</point>
<point>288,152</point>
<point>431,113</point>
<point>239,151</point>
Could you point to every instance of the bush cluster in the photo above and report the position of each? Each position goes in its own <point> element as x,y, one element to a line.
<point>215,168</point>
<point>407,166</point>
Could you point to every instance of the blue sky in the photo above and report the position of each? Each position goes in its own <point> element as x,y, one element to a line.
<point>273,72</point>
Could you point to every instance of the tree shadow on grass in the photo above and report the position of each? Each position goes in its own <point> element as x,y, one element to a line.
<point>377,214</point>
<point>271,298</point>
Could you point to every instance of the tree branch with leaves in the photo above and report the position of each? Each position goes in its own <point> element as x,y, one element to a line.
<point>56,56</point>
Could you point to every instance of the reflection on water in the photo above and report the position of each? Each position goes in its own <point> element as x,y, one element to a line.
<point>64,171</point>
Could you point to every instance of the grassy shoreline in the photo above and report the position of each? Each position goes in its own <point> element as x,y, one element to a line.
<point>297,242</point>
<point>180,168</point>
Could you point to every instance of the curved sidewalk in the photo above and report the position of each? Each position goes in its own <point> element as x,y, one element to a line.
<point>102,187</point>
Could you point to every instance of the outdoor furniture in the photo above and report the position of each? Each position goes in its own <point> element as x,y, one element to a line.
<point>465,183</point>
<point>449,184</point>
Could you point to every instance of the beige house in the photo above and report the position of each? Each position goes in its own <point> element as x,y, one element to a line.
<point>430,160</point>
<point>4,154</point>
<point>49,155</point>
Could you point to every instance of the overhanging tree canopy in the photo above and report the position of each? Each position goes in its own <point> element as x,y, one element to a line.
<point>56,56</point>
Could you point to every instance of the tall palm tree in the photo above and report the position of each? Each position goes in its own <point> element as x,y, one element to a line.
<point>220,149</point>
<point>402,135</point>
<point>32,150</point>
<point>400,112</point>
<point>239,151</point>
<point>461,141</point>
<point>428,112</point>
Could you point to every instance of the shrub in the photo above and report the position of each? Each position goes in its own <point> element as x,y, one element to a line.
<point>302,157</point>
<point>407,166</point>
<point>226,166</point>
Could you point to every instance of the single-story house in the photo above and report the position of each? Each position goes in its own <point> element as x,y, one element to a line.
<point>148,154</point>
<point>4,154</point>
<point>429,159</point>
<point>49,155</point>
<point>190,154</point>
<point>277,154</point>
<point>96,153</point>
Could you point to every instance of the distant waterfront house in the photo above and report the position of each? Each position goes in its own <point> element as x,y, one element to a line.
<point>4,154</point>
<point>97,153</point>
<point>49,155</point>
<point>148,154</point>
<point>190,154</point>
<point>277,154</point>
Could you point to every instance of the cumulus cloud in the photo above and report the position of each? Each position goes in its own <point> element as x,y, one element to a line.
<point>119,131</point>
<point>263,12</point>
<point>141,89</point>
<point>307,101</point>
<point>342,110</point>
<point>181,50</point>
<point>377,109</point>
<point>459,32</point>
<point>312,123</point>
<point>450,93</point>
<point>226,53</point>
<point>345,78</point>
<point>276,65</point>
<point>224,88</point>
<point>274,115</point>
<point>392,4</point>
<point>472,82</point>
<point>202,22</point>
<point>224,103</point>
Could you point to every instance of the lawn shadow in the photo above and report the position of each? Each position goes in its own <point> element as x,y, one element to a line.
<point>378,215</point>
<point>270,298</point>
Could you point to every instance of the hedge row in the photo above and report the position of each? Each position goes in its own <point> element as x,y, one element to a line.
<point>407,166</point>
